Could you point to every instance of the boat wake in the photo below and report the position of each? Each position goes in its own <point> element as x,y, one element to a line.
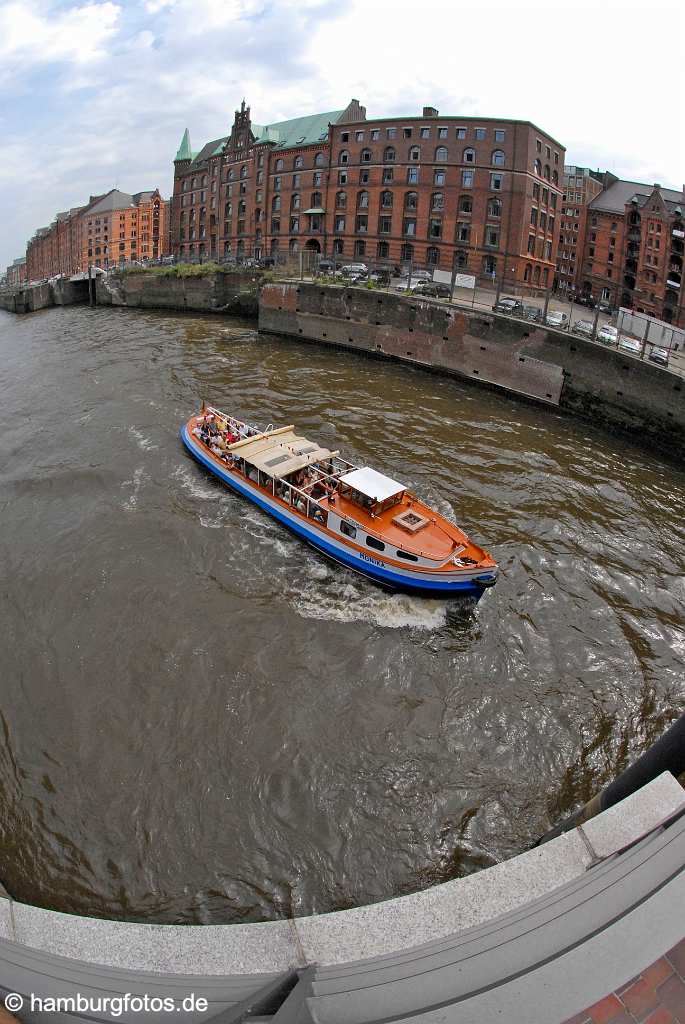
<point>143,442</point>
<point>346,602</point>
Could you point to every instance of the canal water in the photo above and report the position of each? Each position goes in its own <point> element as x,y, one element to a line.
<point>204,721</point>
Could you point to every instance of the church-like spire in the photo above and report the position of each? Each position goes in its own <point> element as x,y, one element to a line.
<point>184,150</point>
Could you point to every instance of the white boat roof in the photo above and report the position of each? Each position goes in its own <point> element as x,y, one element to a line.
<point>372,484</point>
<point>280,452</point>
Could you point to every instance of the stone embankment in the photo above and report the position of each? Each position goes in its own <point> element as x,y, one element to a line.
<point>600,384</point>
<point>33,297</point>
<point>232,292</point>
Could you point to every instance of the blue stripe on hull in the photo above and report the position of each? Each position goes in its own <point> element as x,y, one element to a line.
<point>386,577</point>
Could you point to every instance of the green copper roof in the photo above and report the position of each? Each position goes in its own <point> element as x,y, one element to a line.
<point>184,151</point>
<point>300,131</point>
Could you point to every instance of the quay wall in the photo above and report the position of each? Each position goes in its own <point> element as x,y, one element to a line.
<point>595,382</point>
<point>233,292</point>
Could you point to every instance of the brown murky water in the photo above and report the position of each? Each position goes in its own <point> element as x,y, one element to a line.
<point>204,721</point>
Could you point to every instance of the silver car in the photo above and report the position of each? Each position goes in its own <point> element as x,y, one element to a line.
<point>557,319</point>
<point>583,327</point>
<point>607,334</point>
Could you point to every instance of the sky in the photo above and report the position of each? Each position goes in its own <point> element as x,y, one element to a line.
<point>95,94</point>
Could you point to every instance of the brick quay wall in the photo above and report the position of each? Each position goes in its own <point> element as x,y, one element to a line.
<point>232,292</point>
<point>599,384</point>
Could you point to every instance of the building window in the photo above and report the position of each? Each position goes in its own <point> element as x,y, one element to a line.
<point>438,201</point>
<point>338,247</point>
<point>364,176</point>
<point>467,179</point>
<point>388,175</point>
<point>297,178</point>
<point>499,135</point>
<point>382,251</point>
<point>375,134</point>
<point>494,208</point>
<point>341,199</point>
<point>279,166</point>
<point>441,154</point>
<point>243,173</point>
<point>384,225</point>
<point>439,177</point>
<point>362,200</point>
<point>412,175</point>
<point>406,132</point>
<point>319,160</point>
<point>480,133</point>
<point>386,200</point>
<point>463,232</point>
<point>409,226</point>
<point>465,204</point>
<point>275,204</point>
<point>433,256</point>
<point>275,225</point>
<point>366,156</point>
<point>492,237</point>
<point>344,157</point>
<point>294,225</point>
<point>469,156</point>
<point>531,244</point>
<point>295,201</point>
<point>496,181</point>
<point>277,184</point>
<point>389,154</point>
<point>537,167</point>
<point>361,223</point>
<point>435,227</point>
<point>425,133</point>
<point>498,158</point>
<point>391,132</point>
<point>359,248</point>
<point>344,136</point>
<point>411,200</point>
<point>342,177</point>
<point>317,178</point>
<point>339,224</point>
<point>414,153</point>
<point>461,133</point>
<point>407,252</point>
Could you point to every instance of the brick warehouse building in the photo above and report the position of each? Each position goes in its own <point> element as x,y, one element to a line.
<point>109,229</point>
<point>479,193</point>
<point>634,248</point>
<point>581,186</point>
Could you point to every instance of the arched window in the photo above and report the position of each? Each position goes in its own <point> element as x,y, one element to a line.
<point>389,155</point>
<point>279,165</point>
<point>498,158</point>
<point>441,154</point>
<point>362,200</point>
<point>545,173</point>
<point>433,256</point>
<point>526,273</point>
<point>465,204</point>
<point>275,204</point>
<point>341,199</point>
<point>241,209</point>
<point>407,252</point>
<point>344,157</point>
<point>414,153</point>
<point>298,162</point>
<point>536,275</point>
<point>494,208</point>
<point>194,185</point>
<point>204,181</point>
<point>386,200</point>
<point>438,201</point>
<point>366,156</point>
<point>243,171</point>
<point>411,200</point>
<point>231,175</point>
<point>319,160</point>
<point>295,201</point>
<point>537,167</point>
<point>555,177</point>
<point>469,156</point>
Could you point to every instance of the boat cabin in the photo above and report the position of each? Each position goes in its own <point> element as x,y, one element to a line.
<point>373,491</point>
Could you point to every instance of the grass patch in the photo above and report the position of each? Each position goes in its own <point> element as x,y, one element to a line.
<point>187,270</point>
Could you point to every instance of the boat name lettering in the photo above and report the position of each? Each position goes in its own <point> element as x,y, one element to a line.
<point>368,558</point>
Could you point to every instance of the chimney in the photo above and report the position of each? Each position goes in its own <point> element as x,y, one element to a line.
<point>430,112</point>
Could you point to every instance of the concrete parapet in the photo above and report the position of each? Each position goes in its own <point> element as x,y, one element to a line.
<point>235,292</point>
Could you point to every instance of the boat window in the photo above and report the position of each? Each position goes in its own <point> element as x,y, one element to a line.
<point>407,555</point>
<point>348,530</point>
<point>373,543</point>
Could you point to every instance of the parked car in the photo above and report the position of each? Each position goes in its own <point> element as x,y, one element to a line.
<point>512,307</point>
<point>607,334</point>
<point>326,266</point>
<point>418,275</point>
<point>585,300</point>
<point>659,355</point>
<point>356,269</point>
<point>583,327</point>
<point>267,261</point>
<point>557,319</point>
<point>605,307</point>
<point>380,277</point>
<point>631,345</point>
<point>435,289</point>
<point>532,313</point>
<point>166,261</point>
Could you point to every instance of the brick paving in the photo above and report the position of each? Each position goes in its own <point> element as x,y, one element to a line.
<point>656,996</point>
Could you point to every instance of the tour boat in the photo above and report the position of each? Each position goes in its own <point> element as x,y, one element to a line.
<point>353,514</point>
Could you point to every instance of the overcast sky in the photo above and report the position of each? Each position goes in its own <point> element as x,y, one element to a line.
<point>97,94</point>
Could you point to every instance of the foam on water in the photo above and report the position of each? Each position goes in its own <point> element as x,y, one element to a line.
<point>138,477</point>
<point>143,442</point>
<point>192,485</point>
<point>347,602</point>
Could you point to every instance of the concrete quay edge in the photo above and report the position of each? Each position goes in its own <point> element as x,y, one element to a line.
<point>374,930</point>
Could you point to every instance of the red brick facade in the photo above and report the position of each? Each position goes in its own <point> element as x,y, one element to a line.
<point>634,247</point>
<point>581,186</point>
<point>478,193</point>
<point>110,229</point>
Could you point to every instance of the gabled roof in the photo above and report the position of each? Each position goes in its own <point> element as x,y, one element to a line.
<point>112,200</point>
<point>614,198</point>
<point>300,131</point>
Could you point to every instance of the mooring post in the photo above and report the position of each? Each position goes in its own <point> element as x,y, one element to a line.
<point>91,297</point>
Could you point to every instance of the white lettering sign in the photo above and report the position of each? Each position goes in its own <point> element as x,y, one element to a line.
<point>464,281</point>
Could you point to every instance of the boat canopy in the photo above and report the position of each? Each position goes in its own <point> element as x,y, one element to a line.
<point>280,453</point>
<point>372,484</point>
